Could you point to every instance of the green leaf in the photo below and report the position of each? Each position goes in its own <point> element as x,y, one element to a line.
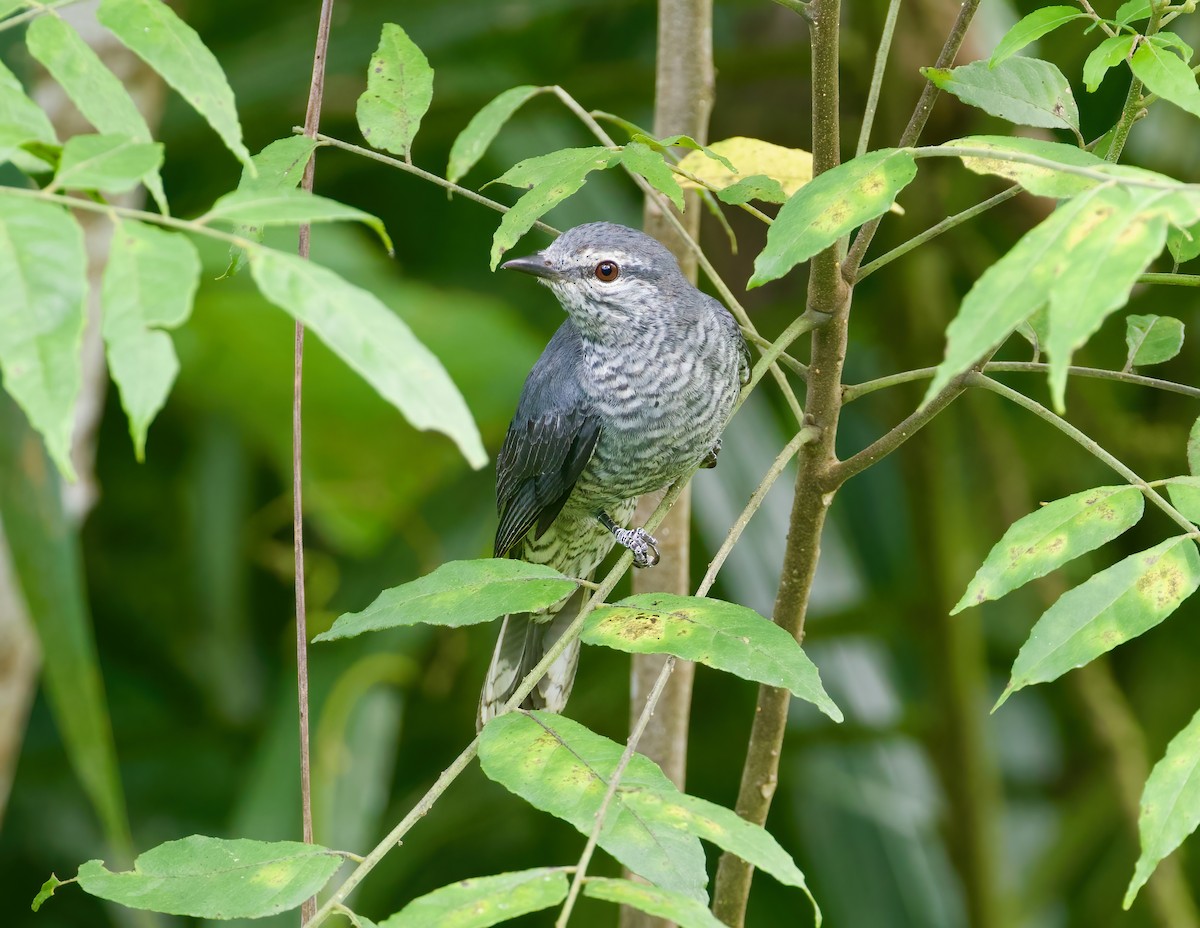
<point>97,93</point>
<point>21,120</point>
<point>483,901</point>
<point>149,284</point>
<point>283,206</point>
<point>560,767</point>
<point>1170,804</point>
<point>831,205</point>
<point>1037,179</point>
<point>45,892</point>
<point>8,7</point>
<point>215,878</point>
<point>153,32</point>
<point>459,593</point>
<point>1104,57</point>
<point>1185,496</point>
<point>645,161</point>
<point>373,341</point>
<point>483,128</point>
<point>754,187</point>
<point>681,141</point>
<point>112,163</point>
<point>1184,244</point>
<point>399,91</point>
<point>1133,10</point>
<point>1026,91</point>
<point>1106,610</point>
<point>1152,339</point>
<point>1193,448</point>
<point>43,275</point>
<point>723,635</point>
<point>1165,74</point>
<point>550,179</point>
<point>1031,28</point>
<point>653,900</point>
<point>1172,40</point>
<point>1050,537</point>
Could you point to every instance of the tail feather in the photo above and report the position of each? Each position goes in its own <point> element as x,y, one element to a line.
<point>524,639</point>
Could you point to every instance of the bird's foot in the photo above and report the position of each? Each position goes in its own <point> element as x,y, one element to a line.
<point>710,459</point>
<point>643,545</point>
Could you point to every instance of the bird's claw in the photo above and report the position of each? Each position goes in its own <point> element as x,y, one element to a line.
<point>710,459</point>
<point>643,545</point>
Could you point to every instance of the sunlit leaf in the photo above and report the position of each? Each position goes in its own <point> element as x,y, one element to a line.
<point>754,187</point>
<point>830,206</point>
<point>1152,339</point>
<point>1165,74</point>
<point>560,767</point>
<point>1170,804</point>
<point>1184,244</point>
<point>790,168</point>
<point>1050,537</point>
<point>654,900</point>
<point>643,160</point>
<point>723,635</point>
<point>483,901</point>
<point>283,206</point>
<point>93,88</point>
<point>1185,496</point>
<point>550,179</point>
<point>1031,28</point>
<point>21,120</point>
<point>1107,610</point>
<point>399,91</point>
<point>373,341</point>
<point>1037,179</point>
<point>150,281</point>
<point>152,31</point>
<point>215,878</point>
<point>112,163</point>
<point>483,128</point>
<point>1104,57</point>
<point>43,276</point>
<point>459,593</point>
<point>45,892</point>
<point>1026,91</point>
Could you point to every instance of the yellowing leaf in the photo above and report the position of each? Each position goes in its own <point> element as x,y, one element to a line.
<point>792,167</point>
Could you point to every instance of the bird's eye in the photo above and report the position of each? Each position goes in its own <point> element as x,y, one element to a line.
<point>607,271</point>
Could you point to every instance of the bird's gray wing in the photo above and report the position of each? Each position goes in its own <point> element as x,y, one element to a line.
<point>548,444</point>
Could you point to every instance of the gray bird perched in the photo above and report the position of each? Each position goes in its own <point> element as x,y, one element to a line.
<point>632,391</point>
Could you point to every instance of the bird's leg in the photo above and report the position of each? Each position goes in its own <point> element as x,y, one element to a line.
<point>710,459</point>
<point>643,545</point>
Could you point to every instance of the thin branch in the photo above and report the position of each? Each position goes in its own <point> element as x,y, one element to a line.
<point>881,57</point>
<point>711,188</point>
<point>934,231</point>
<point>1087,8</point>
<point>38,10</point>
<point>797,367</point>
<point>1176,280</point>
<point>614,781</point>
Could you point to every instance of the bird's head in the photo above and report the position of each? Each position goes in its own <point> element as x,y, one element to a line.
<point>607,275</point>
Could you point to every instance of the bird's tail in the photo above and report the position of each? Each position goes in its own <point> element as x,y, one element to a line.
<point>522,643</point>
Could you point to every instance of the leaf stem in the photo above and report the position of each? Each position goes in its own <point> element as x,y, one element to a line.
<point>1176,280</point>
<point>881,57</point>
<point>38,10</point>
<point>1097,19</point>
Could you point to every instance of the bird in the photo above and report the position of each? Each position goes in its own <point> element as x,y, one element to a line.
<point>632,391</point>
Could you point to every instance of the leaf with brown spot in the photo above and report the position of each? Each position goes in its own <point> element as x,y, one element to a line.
<point>1108,609</point>
<point>1046,539</point>
<point>399,91</point>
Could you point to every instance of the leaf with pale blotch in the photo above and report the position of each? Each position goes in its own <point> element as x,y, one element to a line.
<point>153,32</point>
<point>650,164</point>
<point>399,91</point>
<point>1152,339</point>
<point>1164,73</point>
<point>43,276</point>
<point>1037,179</point>
<point>1185,496</point>
<point>1170,804</point>
<point>1104,57</point>
<point>21,120</point>
<point>1184,244</point>
<point>459,593</point>
<point>373,340</point>
<point>742,157</point>
<point>149,283</point>
<point>1193,448</point>
<point>484,901</point>
<point>1107,610</point>
<point>755,187</point>
<point>550,179</point>
<point>1031,28</point>
<point>283,206</point>
<point>653,900</point>
<point>45,892</point>
<point>560,767</point>
<point>1025,91</point>
<point>483,128</point>
<point>723,635</point>
<point>1050,537</point>
<point>112,163</point>
<point>830,206</point>
<point>215,878</point>
<point>93,88</point>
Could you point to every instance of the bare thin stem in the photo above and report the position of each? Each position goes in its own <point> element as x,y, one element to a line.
<point>1105,27</point>
<point>312,119</point>
<point>1174,280</point>
<point>38,10</point>
<point>881,57</point>
<point>614,781</point>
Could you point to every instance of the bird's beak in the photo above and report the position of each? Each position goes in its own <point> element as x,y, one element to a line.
<point>536,264</point>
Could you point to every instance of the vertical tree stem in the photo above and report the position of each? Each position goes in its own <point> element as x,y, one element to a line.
<point>312,119</point>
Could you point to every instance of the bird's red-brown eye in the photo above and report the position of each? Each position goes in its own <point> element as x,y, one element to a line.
<point>607,271</point>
